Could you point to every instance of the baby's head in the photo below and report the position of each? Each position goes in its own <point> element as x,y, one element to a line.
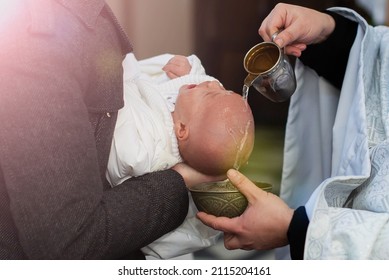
<point>214,128</point>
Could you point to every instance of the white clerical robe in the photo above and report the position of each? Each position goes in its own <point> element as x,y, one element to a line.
<point>337,144</point>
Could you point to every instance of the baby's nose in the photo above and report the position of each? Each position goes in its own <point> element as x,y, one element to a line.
<point>214,84</point>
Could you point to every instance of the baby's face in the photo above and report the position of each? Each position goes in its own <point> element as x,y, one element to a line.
<point>206,93</point>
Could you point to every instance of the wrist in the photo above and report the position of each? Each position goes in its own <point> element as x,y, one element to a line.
<point>329,27</point>
<point>288,221</point>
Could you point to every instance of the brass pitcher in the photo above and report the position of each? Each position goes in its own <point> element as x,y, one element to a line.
<point>269,72</point>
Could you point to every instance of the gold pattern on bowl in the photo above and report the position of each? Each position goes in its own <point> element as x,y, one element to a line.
<point>222,198</point>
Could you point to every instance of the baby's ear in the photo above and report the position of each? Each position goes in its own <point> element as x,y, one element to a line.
<point>181,130</point>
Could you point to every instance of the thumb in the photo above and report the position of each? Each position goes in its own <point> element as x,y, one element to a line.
<point>243,184</point>
<point>287,36</point>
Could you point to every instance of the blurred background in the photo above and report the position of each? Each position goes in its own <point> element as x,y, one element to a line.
<point>220,32</point>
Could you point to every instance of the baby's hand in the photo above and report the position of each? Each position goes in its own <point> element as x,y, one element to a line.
<point>177,66</point>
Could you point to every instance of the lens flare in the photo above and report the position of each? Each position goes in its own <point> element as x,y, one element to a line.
<point>8,9</point>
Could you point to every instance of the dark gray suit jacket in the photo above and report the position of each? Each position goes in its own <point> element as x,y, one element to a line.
<point>60,90</point>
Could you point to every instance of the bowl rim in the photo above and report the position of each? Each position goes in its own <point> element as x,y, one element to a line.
<point>267,187</point>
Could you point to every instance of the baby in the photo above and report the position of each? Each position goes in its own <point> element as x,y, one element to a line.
<point>175,113</point>
<point>214,128</point>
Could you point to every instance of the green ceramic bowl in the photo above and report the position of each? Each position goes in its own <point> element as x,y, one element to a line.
<point>221,198</point>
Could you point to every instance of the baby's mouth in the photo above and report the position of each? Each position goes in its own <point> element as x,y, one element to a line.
<point>191,86</point>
